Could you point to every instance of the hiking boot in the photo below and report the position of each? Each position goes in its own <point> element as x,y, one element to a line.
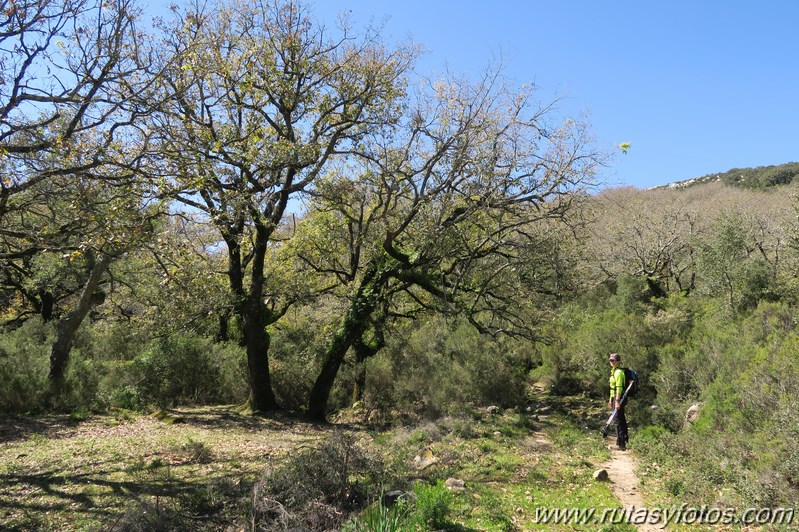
<point>617,447</point>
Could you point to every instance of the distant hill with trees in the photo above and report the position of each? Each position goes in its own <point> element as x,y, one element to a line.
<point>758,177</point>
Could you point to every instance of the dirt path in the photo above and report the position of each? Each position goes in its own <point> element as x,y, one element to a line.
<point>625,485</point>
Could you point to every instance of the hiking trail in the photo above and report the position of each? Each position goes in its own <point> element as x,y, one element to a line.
<point>625,485</point>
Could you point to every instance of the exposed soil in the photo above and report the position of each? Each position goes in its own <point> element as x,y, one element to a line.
<point>625,485</point>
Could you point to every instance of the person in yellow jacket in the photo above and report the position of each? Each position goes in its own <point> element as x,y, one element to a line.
<point>618,381</point>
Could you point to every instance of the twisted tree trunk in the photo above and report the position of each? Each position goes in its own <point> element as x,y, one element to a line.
<point>69,324</point>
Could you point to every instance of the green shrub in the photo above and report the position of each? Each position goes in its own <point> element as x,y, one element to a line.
<point>83,378</point>
<point>111,341</point>
<point>230,362</point>
<point>432,504</point>
<point>650,439</point>
<point>379,392</point>
<point>440,367</point>
<point>743,369</point>
<point>298,343</point>
<point>184,369</point>
<point>24,365</point>
<point>126,397</point>
<point>380,518</point>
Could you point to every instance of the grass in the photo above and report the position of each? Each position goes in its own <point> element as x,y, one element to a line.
<point>58,473</point>
<point>511,465</point>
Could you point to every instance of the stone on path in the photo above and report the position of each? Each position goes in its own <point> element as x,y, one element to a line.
<point>601,475</point>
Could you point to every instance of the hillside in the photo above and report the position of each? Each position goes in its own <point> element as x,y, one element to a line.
<point>759,177</point>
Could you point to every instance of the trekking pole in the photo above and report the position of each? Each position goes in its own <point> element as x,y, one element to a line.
<point>615,410</point>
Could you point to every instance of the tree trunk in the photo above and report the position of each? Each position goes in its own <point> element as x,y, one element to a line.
<point>254,319</point>
<point>349,329</point>
<point>222,334</point>
<point>68,326</point>
<point>262,398</point>
<point>355,322</point>
<point>363,351</point>
<point>48,303</point>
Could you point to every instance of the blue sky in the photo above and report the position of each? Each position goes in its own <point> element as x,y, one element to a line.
<point>694,86</point>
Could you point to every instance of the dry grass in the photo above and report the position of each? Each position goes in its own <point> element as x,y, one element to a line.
<point>211,468</point>
<point>60,474</point>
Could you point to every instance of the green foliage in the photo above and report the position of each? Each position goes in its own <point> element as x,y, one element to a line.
<point>729,270</point>
<point>296,349</point>
<point>650,439</point>
<point>760,177</point>
<point>441,367</point>
<point>576,358</point>
<point>744,372</point>
<point>24,367</point>
<point>436,228</point>
<point>125,397</point>
<point>432,504</point>
<point>24,364</point>
<point>111,341</point>
<point>631,294</point>
<point>82,383</point>
<point>381,518</point>
<point>184,369</point>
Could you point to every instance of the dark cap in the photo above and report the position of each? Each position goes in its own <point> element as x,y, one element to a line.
<point>614,357</point>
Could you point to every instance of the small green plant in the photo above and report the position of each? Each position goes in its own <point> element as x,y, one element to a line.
<point>433,504</point>
<point>197,452</point>
<point>381,518</point>
<point>80,414</point>
<point>487,446</point>
<point>465,429</point>
<point>419,436</point>
<point>508,431</point>
<point>126,397</point>
<point>496,511</point>
<point>675,486</point>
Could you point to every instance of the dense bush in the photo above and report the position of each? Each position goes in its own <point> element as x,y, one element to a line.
<point>575,360</point>
<point>24,367</point>
<point>317,488</point>
<point>109,366</point>
<point>432,505</point>
<point>440,367</point>
<point>183,369</point>
<point>298,342</point>
<point>111,341</point>
<point>743,370</point>
<point>24,364</point>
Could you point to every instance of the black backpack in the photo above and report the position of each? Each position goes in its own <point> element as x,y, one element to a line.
<point>632,377</point>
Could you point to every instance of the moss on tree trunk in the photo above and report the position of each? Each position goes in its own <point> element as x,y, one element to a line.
<point>369,295</point>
